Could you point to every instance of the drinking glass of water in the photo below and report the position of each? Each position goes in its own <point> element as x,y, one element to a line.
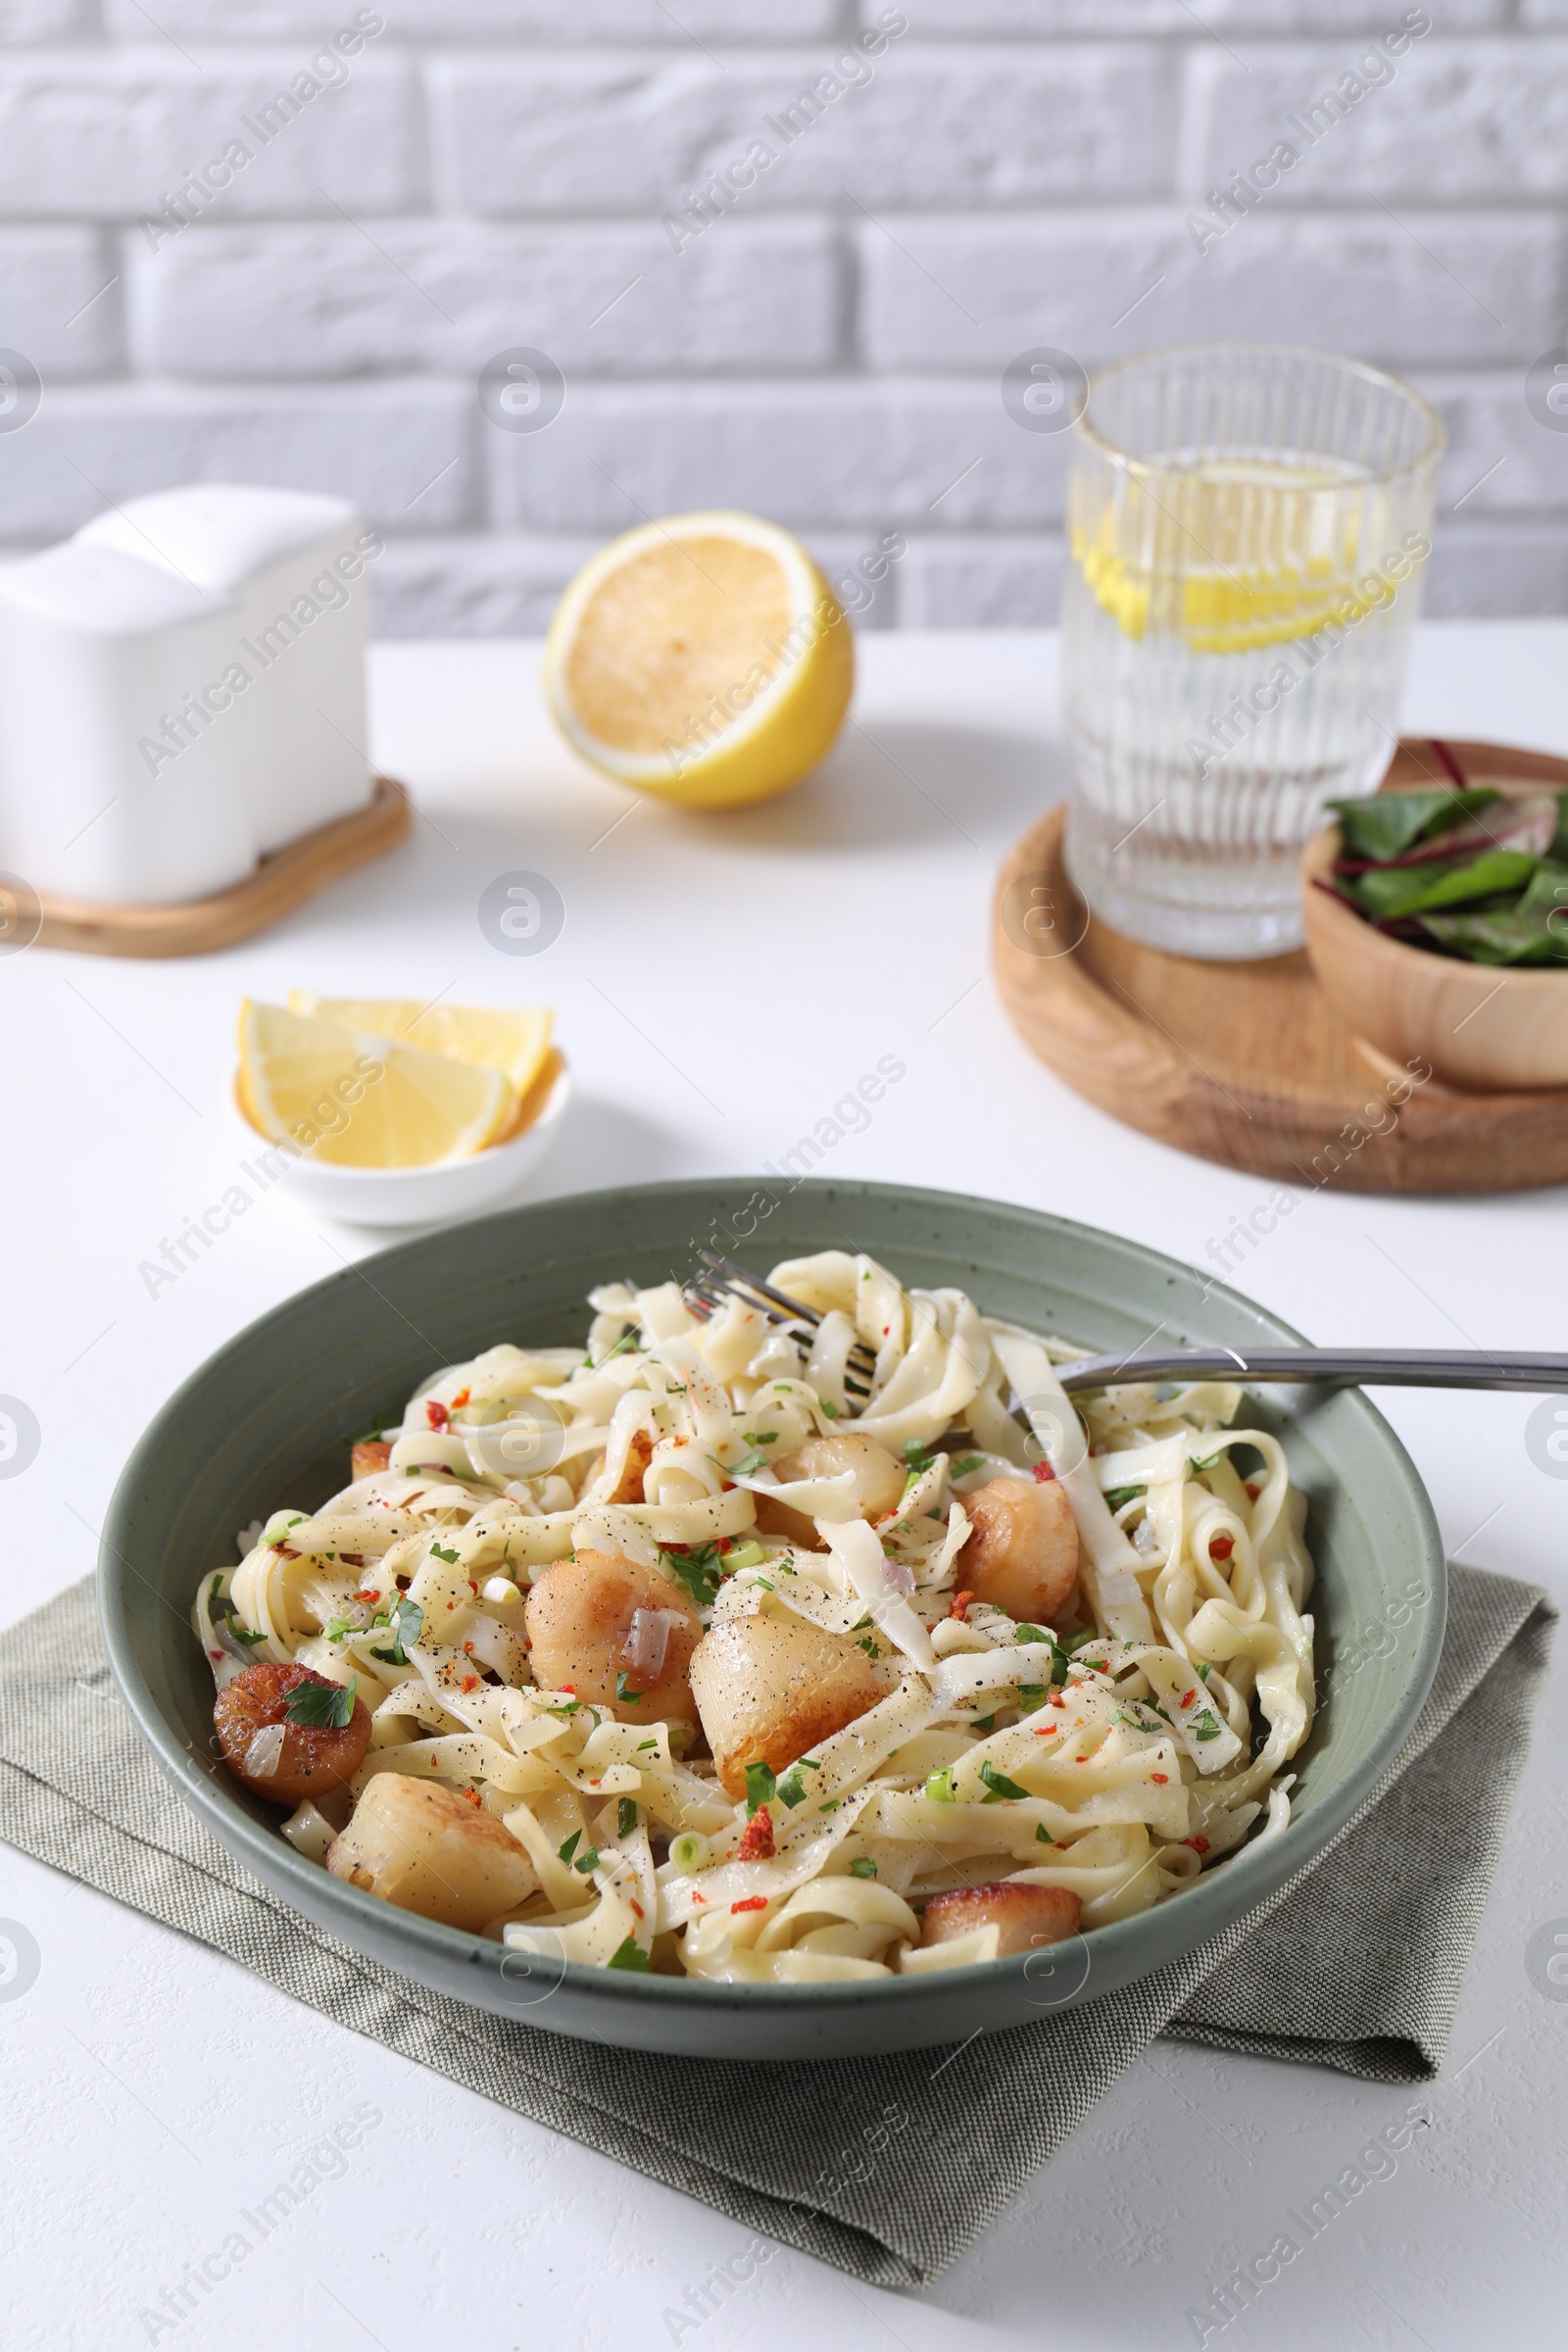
<point>1249,527</point>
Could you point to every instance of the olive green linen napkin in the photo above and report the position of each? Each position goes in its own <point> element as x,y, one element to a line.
<point>886,2167</point>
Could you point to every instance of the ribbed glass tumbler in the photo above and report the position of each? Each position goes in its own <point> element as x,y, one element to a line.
<point>1248,529</point>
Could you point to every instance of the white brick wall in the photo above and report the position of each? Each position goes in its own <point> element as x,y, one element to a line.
<point>488,173</point>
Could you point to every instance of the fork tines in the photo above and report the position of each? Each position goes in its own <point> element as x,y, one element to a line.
<point>719,1277</point>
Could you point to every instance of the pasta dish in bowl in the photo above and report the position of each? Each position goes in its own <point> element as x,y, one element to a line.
<point>731,1670</point>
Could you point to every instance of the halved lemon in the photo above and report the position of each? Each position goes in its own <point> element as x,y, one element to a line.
<point>360,1101</point>
<point>515,1042</point>
<point>703,658</point>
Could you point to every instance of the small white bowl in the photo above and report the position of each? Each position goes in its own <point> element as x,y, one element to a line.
<point>433,1195</point>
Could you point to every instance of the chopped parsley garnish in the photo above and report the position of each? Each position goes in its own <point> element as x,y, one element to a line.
<point>642,1743</point>
<point>862,1867</point>
<point>566,1852</point>
<point>871,1649</point>
<point>1117,1496</point>
<point>625,1817</point>
<point>746,1467</point>
<point>761,1436</point>
<point>983,1722</point>
<point>226,1617</point>
<point>998,1784</point>
<point>568,1706</point>
<point>438,1551</point>
<point>938,1786</point>
<point>695,1570</point>
<point>1211,1461</point>
<point>831,1806</point>
<point>587,1860</point>
<point>627,1339</point>
<point>630,1955</point>
<point>1034,1693</point>
<point>626,1694</point>
<point>971,1461</point>
<point>920,1457</point>
<point>761,1786</point>
<point>1043,1835</point>
<point>831,1410</point>
<point>405,1624</point>
<point>321,1706</point>
<point>1206,1724</point>
<point>1203,1673</point>
<point>337,1627</point>
<point>1033,1632</point>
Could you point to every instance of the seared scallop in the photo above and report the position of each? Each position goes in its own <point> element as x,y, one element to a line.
<point>423,1847</point>
<point>615,1633</point>
<point>1024,1916</point>
<point>285,1762</point>
<point>769,1689</point>
<point>1022,1551</point>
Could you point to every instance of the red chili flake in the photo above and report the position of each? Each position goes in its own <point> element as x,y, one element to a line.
<point>469,1681</point>
<point>682,1548</point>
<point>472,1587</point>
<point>468,1648</point>
<point>960,1607</point>
<point>436,1414</point>
<point>1200,1845</point>
<point>696,1898</point>
<point>472,1795</point>
<point>753,1903</point>
<point>757,1845</point>
<point>216,1656</point>
<point>1253,1488</point>
<point>462,1397</point>
<point>1221,1547</point>
<point>366,1593</point>
<point>723,1544</point>
<point>636,1906</point>
<point>1188,1696</point>
<point>1160,1776</point>
<point>571,1687</point>
<point>1044,1473</point>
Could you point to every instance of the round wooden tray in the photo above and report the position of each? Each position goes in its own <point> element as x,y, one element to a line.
<point>1245,1063</point>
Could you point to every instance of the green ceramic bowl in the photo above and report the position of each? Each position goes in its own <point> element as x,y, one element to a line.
<point>265,1422</point>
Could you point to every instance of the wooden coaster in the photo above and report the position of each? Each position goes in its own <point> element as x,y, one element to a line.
<point>279,884</point>
<point>1245,1063</point>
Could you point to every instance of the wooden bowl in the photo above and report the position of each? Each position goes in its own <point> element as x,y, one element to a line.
<point>1483,1027</point>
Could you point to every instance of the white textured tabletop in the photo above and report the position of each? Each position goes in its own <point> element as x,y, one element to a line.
<point>152,2093</point>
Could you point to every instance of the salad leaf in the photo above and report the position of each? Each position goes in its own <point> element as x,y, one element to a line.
<point>1391,823</point>
<point>1387,892</point>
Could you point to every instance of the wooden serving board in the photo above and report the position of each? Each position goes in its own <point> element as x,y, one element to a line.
<point>279,884</point>
<point>1245,1063</point>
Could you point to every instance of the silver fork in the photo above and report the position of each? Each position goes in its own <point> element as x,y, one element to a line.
<point>719,1277</point>
<point>1339,1367</point>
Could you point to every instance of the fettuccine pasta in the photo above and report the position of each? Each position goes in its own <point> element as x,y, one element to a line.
<point>706,1651</point>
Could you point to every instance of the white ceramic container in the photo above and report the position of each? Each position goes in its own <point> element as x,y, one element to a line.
<point>125,756</point>
<point>295,564</point>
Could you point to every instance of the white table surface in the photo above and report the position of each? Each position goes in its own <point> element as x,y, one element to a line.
<point>151,2090</point>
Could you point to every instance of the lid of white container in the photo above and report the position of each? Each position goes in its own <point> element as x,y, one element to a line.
<point>222,534</point>
<point>104,591</point>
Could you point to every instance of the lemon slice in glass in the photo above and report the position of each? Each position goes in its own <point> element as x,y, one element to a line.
<point>703,658</point>
<point>360,1101</point>
<point>515,1042</point>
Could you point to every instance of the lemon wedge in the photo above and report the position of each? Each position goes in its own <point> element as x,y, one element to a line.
<point>515,1042</point>
<point>703,658</point>
<point>360,1101</point>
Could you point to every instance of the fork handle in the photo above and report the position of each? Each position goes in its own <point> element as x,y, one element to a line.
<point>1354,1367</point>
